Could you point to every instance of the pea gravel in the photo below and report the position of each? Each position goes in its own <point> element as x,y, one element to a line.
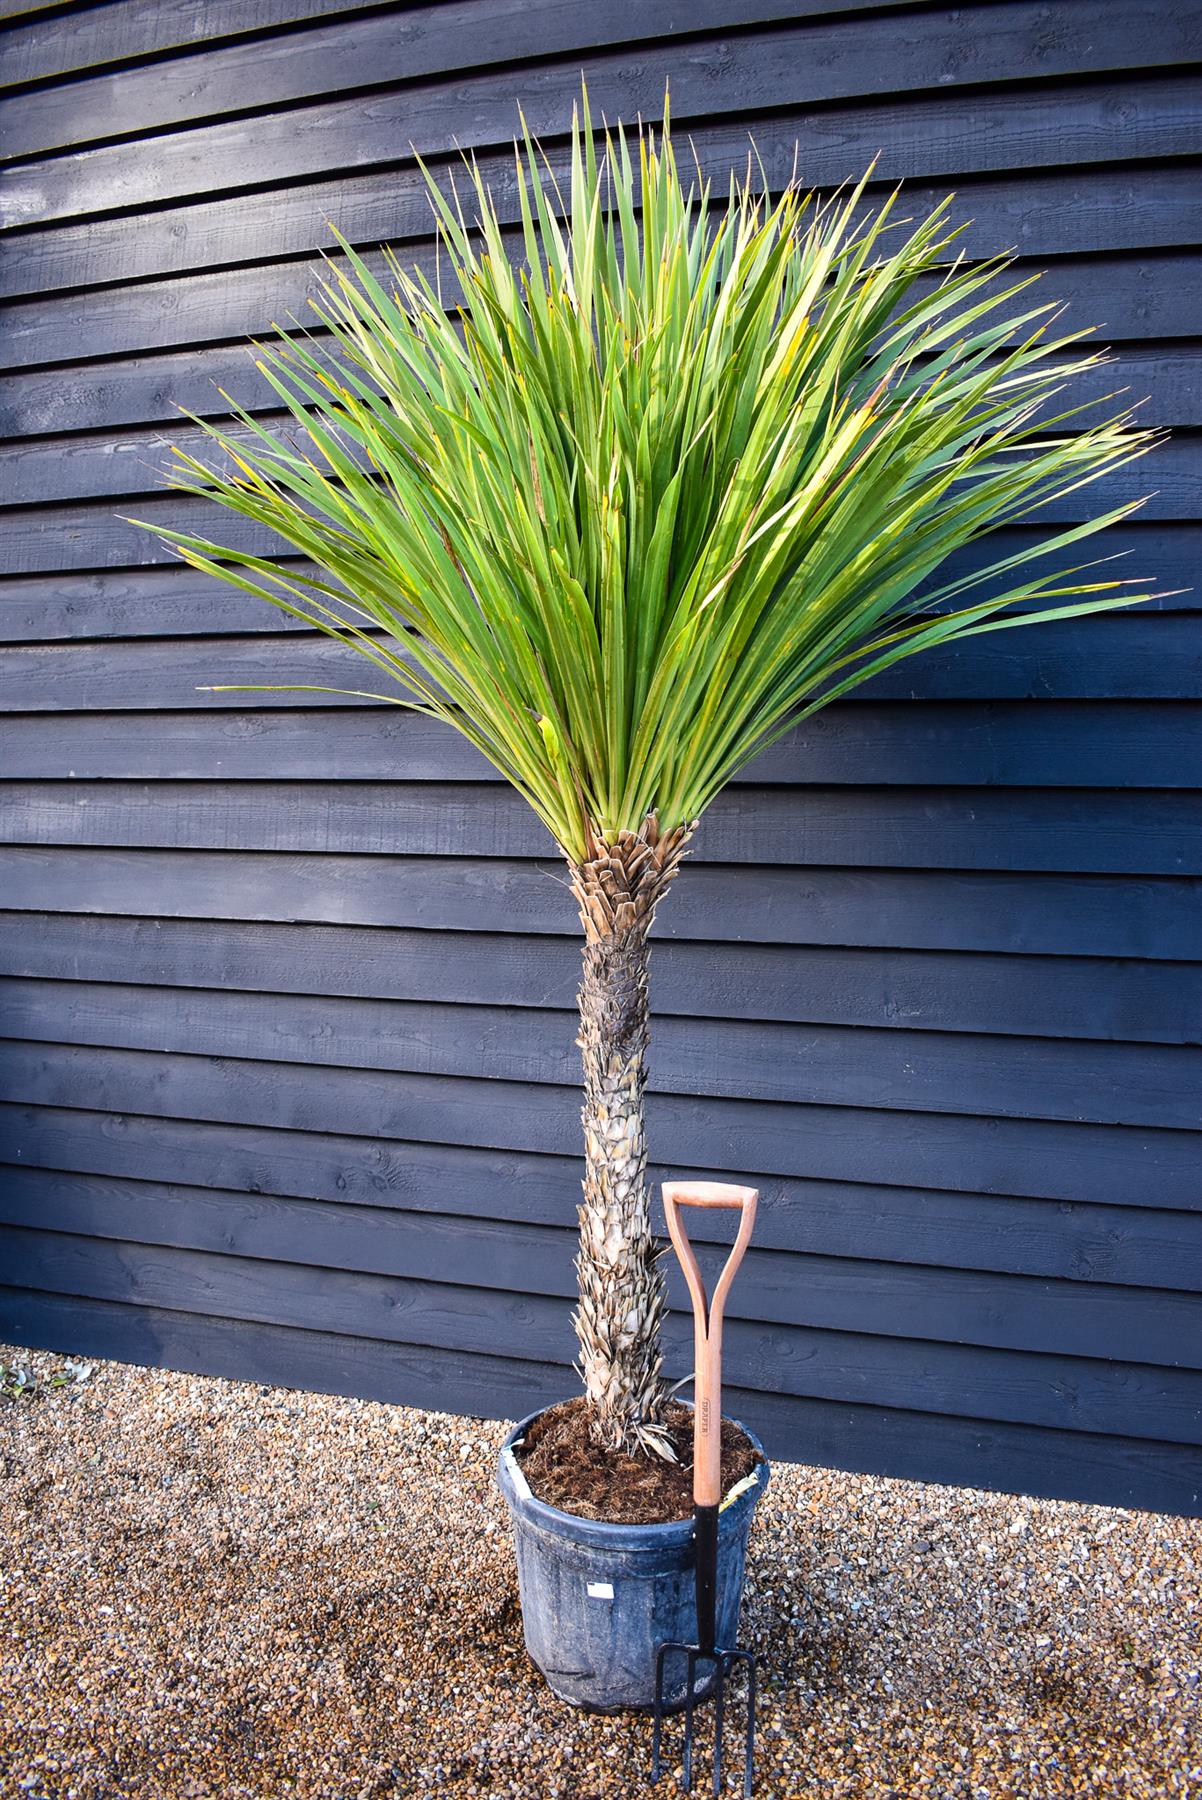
<point>213,1590</point>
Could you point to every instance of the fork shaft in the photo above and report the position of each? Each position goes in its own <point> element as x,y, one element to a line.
<point>705,1543</point>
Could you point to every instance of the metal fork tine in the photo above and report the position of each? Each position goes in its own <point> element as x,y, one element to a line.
<point>696,1659</point>
<point>719,1706</point>
<point>688,1722</point>
<point>657,1724</point>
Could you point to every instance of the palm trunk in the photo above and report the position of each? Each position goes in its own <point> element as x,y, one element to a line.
<point>621,1290</point>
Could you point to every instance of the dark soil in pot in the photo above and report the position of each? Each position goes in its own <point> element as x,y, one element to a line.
<point>566,1469</point>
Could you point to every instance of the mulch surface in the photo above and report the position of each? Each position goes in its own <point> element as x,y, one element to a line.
<point>566,1469</point>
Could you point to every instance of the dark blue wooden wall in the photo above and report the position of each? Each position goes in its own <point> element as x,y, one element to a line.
<point>288,1067</point>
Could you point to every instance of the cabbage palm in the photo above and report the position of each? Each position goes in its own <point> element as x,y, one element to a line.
<point>664,475</point>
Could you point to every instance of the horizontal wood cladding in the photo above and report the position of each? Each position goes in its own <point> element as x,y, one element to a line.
<point>787,65</point>
<point>1119,1245</point>
<point>1054,829</point>
<point>1157,918</point>
<point>1120,655</point>
<point>1077,1318</point>
<point>1137,299</point>
<point>924,990</point>
<point>1093,1394</point>
<point>373,50</point>
<point>1040,1158</point>
<point>1095,744</point>
<point>1111,1083</point>
<point>940,135</point>
<point>133,464</point>
<point>1165,379</point>
<point>286,982</point>
<point>133,30</point>
<point>87,538</point>
<point>876,1439</point>
<point>170,600</point>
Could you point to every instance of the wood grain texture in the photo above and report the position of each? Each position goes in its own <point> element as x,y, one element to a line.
<point>287,981</point>
<point>86,37</point>
<point>1116,744</point>
<point>1130,297</point>
<point>1127,298</point>
<point>876,1439</point>
<point>1045,1159</point>
<point>812,62</point>
<point>1165,379</point>
<point>818,1292</point>
<point>1120,1245</point>
<point>1121,655</point>
<point>1071,997</point>
<point>1089,1394</point>
<point>920,139</point>
<point>164,599</point>
<point>131,465</point>
<point>370,50</point>
<point>1156,918</point>
<point>1068,830</point>
<point>131,30</point>
<point>976,1073</point>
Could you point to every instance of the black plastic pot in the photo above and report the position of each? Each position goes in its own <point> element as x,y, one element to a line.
<point>598,1600</point>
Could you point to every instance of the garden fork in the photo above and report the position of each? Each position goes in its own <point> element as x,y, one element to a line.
<point>707,1481</point>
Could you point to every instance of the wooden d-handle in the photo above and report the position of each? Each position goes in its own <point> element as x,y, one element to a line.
<point>707,1319</point>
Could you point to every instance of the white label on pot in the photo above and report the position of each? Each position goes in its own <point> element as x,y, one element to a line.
<point>600,1590</point>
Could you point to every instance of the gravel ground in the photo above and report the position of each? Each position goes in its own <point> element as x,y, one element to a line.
<point>212,1590</point>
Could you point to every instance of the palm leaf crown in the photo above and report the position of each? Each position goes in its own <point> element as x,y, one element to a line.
<point>640,504</point>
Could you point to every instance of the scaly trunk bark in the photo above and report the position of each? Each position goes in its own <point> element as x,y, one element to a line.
<point>621,1290</point>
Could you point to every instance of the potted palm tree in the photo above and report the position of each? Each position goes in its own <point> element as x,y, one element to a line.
<point>653,481</point>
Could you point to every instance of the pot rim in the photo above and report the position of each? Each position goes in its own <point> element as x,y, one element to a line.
<point>665,1534</point>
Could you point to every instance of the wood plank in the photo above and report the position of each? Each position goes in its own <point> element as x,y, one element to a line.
<point>1125,656</point>
<point>1118,744</point>
<point>21,9</point>
<point>1166,379</point>
<point>1158,918</point>
<point>1121,1245</point>
<point>1073,1393</point>
<point>811,62</point>
<point>134,30</point>
<point>1070,830</point>
<point>1045,1159</point>
<point>370,50</point>
<point>978,1453</point>
<point>1087,1466</point>
<point>133,463</point>
<point>49,539</point>
<point>160,601</point>
<point>93,537</point>
<point>730,1059</point>
<point>87,37</point>
<point>923,138</point>
<point>170,600</point>
<point>96,466</point>
<point>286,1357</point>
<point>1130,298</point>
<point>819,1292</point>
<point>141,389</point>
<point>1072,997</point>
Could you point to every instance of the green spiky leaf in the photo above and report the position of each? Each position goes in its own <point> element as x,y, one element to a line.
<point>632,509</point>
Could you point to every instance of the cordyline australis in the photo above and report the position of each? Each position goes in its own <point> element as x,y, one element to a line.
<point>630,512</point>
